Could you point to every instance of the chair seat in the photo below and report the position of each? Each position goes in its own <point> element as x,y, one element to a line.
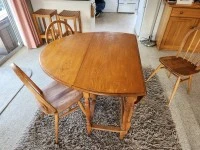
<point>60,96</point>
<point>178,65</point>
<point>69,13</point>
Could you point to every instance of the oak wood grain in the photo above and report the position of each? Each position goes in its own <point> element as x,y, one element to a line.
<point>100,63</point>
<point>186,12</point>
<point>175,31</point>
<point>62,58</point>
<point>111,66</point>
<point>176,21</point>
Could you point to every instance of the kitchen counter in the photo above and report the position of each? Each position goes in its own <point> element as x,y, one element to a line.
<point>84,6</point>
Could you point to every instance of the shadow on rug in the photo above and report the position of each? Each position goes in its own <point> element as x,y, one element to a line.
<point>10,85</point>
<point>152,126</point>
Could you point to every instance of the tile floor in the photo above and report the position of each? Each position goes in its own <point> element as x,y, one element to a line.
<point>185,108</point>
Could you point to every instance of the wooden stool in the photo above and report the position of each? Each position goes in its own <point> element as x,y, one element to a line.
<point>41,26</point>
<point>73,15</point>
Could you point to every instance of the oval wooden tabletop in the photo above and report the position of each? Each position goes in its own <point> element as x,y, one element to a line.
<point>101,63</point>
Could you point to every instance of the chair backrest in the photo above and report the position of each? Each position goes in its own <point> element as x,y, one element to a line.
<point>190,47</point>
<point>45,106</point>
<point>57,29</point>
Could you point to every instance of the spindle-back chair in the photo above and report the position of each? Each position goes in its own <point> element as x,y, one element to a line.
<point>186,63</point>
<point>56,30</point>
<point>55,99</point>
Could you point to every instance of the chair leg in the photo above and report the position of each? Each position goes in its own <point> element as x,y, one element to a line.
<point>93,98</point>
<point>174,90</point>
<point>56,126</point>
<point>169,74</point>
<point>81,107</point>
<point>189,84</point>
<point>157,69</point>
<point>42,115</point>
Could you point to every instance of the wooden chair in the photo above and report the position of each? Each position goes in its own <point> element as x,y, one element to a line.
<point>75,16</point>
<point>186,63</point>
<point>55,99</point>
<point>42,18</point>
<point>56,30</point>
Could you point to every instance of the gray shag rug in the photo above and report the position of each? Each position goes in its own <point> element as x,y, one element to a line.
<point>152,126</point>
<point>10,85</point>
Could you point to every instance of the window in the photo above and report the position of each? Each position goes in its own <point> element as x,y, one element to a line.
<point>9,36</point>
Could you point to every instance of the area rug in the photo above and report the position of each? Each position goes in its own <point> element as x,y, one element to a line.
<point>10,85</point>
<point>152,126</point>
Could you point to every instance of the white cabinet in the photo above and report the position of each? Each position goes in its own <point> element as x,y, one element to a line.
<point>128,6</point>
<point>125,6</point>
<point>128,1</point>
<point>111,6</point>
<point>145,18</point>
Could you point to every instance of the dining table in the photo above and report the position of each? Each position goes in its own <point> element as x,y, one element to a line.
<point>98,63</point>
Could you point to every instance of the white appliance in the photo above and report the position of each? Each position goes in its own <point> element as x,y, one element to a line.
<point>140,16</point>
<point>145,18</point>
<point>127,6</point>
<point>111,6</point>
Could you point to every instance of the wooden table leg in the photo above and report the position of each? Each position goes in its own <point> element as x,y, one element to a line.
<point>92,104</point>
<point>128,112</point>
<point>87,110</point>
<point>132,101</point>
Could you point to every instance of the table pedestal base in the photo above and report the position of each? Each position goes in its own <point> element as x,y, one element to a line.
<point>127,109</point>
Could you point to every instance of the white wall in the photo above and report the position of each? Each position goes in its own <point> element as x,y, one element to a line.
<point>88,23</point>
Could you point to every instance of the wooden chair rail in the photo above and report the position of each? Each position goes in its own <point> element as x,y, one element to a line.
<point>106,128</point>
